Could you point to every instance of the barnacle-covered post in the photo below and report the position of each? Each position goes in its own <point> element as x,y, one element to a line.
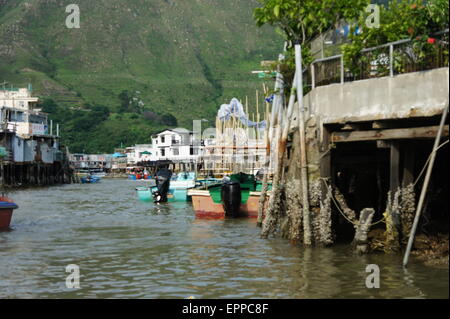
<point>277,105</point>
<point>270,222</point>
<point>282,135</point>
<point>362,229</point>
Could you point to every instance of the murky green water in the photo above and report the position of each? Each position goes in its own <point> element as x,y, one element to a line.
<point>129,249</point>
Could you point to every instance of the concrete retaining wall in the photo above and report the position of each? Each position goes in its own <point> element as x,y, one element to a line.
<point>408,95</point>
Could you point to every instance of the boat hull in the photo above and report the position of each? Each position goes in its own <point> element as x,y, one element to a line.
<point>177,195</point>
<point>6,210</point>
<point>205,207</point>
<point>92,180</point>
<point>174,195</point>
<point>144,194</point>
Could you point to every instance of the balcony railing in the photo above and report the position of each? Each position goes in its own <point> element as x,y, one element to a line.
<point>385,60</point>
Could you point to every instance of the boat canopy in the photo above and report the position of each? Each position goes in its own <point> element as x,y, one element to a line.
<point>115,155</point>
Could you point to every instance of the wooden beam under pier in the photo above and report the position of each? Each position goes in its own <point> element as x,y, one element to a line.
<point>261,147</point>
<point>388,134</point>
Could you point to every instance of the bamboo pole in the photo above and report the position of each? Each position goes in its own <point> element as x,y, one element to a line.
<point>257,115</point>
<point>424,188</point>
<point>283,129</point>
<point>278,95</point>
<point>246,112</point>
<point>303,159</point>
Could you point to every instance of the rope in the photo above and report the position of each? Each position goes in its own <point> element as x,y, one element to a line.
<point>342,212</point>
<point>426,163</point>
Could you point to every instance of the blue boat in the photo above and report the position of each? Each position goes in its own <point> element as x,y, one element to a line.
<point>90,179</point>
<point>144,194</point>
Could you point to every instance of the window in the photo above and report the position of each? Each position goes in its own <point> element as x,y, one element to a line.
<point>163,138</point>
<point>16,117</point>
<point>163,152</point>
<point>176,152</point>
<point>38,119</point>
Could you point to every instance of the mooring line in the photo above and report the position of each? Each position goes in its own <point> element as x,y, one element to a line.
<point>426,163</point>
<point>340,209</point>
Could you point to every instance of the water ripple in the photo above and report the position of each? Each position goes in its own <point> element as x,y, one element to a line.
<point>129,249</point>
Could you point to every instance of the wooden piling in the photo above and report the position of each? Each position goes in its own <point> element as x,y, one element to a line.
<point>362,229</point>
<point>394,186</point>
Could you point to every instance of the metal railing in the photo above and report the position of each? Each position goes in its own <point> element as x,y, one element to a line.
<point>385,60</point>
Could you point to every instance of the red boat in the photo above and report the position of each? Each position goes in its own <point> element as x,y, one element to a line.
<point>6,210</point>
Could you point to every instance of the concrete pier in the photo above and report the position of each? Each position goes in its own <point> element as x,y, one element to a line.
<point>369,140</point>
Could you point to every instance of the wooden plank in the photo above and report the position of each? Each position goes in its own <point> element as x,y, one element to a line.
<point>260,147</point>
<point>395,167</point>
<point>394,181</point>
<point>325,162</point>
<point>408,166</point>
<point>389,134</point>
<point>351,127</point>
<point>383,125</point>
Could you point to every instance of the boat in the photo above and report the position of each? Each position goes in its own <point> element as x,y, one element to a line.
<point>138,176</point>
<point>236,197</point>
<point>161,190</point>
<point>144,193</point>
<point>178,188</point>
<point>97,172</point>
<point>177,191</point>
<point>90,179</point>
<point>7,207</point>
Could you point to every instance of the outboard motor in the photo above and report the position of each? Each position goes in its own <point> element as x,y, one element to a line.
<point>162,184</point>
<point>231,198</point>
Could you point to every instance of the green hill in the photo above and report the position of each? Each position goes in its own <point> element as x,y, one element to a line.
<point>133,63</point>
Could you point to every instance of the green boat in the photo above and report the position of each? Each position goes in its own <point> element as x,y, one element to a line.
<point>235,196</point>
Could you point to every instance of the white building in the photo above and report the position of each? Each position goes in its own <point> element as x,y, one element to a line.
<point>176,145</point>
<point>19,113</point>
<point>91,161</point>
<point>139,153</point>
<point>25,130</point>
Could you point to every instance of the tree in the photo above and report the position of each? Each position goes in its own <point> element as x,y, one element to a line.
<point>302,21</point>
<point>438,11</point>
<point>100,112</point>
<point>125,99</point>
<point>169,120</point>
<point>400,19</point>
<point>49,106</point>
